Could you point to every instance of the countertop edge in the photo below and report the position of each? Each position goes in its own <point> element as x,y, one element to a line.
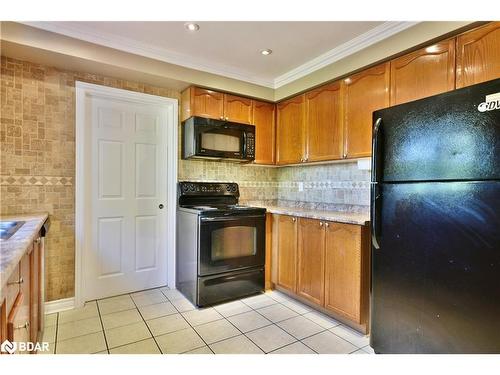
<point>335,216</point>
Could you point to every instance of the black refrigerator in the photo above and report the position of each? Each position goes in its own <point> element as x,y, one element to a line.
<point>435,216</point>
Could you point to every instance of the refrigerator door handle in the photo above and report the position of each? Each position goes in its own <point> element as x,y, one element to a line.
<point>374,220</point>
<point>375,149</point>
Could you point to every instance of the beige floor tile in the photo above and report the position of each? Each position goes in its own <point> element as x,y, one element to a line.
<point>157,310</point>
<point>172,294</point>
<point>50,320</point>
<point>149,298</point>
<point>359,351</point>
<point>115,304</point>
<point>270,338</point>
<point>321,319</point>
<point>167,324</point>
<point>236,345</point>
<point>183,305</point>
<point>232,308</point>
<point>295,348</point>
<point>249,321</point>
<point>298,307</point>
<point>329,343</point>
<point>300,327</point>
<point>180,341</point>
<point>201,316</point>
<point>202,350</point>
<point>368,349</point>
<point>121,318</point>
<point>147,346</point>
<point>354,337</point>
<point>87,344</point>
<point>256,302</point>
<point>127,334</point>
<point>278,296</point>
<point>216,331</point>
<point>277,313</point>
<point>103,352</point>
<point>49,334</point>
<point>89,310</point>
<point>78,328</point>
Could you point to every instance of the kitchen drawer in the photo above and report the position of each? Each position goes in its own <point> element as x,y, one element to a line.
<point>12,289</point>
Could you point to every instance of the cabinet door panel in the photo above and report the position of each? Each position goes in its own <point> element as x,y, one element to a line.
<point>238,109</point>
<point>287,252</point>
<point>207,103</point>
<point>264,121</point>
<point>324,126</point>
<point>343,270</point>
<point>311,260</point>
<point>426,72</point>
<point>478,55</point>
<point>18,324</point>
<point>364,93</point>
<point>34,290</point>
<point>290,141</point>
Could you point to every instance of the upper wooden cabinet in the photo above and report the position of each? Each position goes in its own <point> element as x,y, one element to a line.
<point>287,252</point>
<point>290,130</point>
<point>364,93</point>
<point>478,55</point>
<point>196,101</point>
<point>426,72</point>
<point>311,256</point>
<point>265,129</point>
<point>324,126</point>
<point>238,109</point>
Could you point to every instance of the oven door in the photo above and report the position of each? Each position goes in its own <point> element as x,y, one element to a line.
<point>220,141</point>
<point>231,242</point>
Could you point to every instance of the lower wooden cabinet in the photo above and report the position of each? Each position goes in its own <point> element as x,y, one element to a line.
<point>325,264</point>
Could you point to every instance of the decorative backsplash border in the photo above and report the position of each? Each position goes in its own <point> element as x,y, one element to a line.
<point>25,180</point>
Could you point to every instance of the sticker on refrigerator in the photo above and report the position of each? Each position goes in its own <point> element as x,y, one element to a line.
<point>491,103</point>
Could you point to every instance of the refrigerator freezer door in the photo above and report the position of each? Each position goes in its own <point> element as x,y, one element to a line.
<point>435,277</point>
<point>444,137</point>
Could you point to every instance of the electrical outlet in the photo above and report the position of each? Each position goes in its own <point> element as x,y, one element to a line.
<point>301,186</point>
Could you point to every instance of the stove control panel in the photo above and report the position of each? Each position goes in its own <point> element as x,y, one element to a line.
<point>208,188</point>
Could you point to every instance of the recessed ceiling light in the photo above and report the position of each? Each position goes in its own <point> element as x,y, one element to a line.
<point>266,52</point>
<point>192,26</point>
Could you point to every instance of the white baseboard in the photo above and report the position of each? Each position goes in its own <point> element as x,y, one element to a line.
<point>59,305</point>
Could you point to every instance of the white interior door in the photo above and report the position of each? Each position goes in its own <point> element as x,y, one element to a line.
<point>125,248</point>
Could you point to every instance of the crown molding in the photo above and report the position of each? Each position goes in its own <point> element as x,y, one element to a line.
<point>364,40</point>
<point>143,49</point>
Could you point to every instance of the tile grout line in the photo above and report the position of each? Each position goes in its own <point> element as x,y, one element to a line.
<point>144,321</point>
<point>57,329</point>
<point>102,326</point>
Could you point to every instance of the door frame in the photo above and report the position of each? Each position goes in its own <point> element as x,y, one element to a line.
<point>83,91</point>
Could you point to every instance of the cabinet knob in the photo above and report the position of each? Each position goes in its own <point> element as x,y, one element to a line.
<point>24,326</point>
<point>222,117</point>
<point>20,281</point>
<point>294,219</point>
<point>327,225</point>
<point>320,223</point>
<point>227,118</point>
<point>38,240</point>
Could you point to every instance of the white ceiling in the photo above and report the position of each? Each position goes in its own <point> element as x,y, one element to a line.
<point>232,48</point>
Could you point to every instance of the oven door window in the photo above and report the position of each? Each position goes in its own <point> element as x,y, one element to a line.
<point>231,243</point>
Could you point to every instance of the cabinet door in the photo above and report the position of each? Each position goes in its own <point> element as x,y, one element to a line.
<point>311,260</point>
<point>426,72</point>
<point>343,270</point>
<point>287,252</point>
<point>478,55</point>
<point>207,103</point>
<point>34,290</point>
<point>364,93</point>
<point>290,141</point>
<point>324,128</point>
<point>238,109</point>
<point>263,119</point>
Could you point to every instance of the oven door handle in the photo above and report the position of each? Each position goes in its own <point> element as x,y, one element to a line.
<point>229,218</point>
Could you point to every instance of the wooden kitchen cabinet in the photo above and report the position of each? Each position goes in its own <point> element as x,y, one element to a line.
<point>324,123</point>
<point>196,101</point>
<point>364,93</point>
<point>238,109</point>
<point>426,72</point>
<point>290,131</point>
<point>286,231</point>
<point>311,260</point>
<point>265,131</point>
<point>478,55</point>
<point>346,267</point>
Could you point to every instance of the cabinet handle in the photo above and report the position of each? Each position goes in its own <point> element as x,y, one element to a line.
<point>320,223</point>
<point>294,219</point>
<point>38,240</point>
<point>327,225</point>
<point>227,118</point>
<point>222,117</point>
<point>24,326</point>
<point>20,281</point>
<point>344,155</point>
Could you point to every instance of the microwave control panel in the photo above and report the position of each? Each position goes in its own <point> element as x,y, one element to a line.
<point>250,145</point>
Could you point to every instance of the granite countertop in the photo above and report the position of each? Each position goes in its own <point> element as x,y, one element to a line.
<point>13,249</point>
<point>337,216</point>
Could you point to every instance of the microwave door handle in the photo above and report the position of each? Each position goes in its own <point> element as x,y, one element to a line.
<point>244,154</point>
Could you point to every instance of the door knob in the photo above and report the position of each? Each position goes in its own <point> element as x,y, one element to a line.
<point>161,206</point>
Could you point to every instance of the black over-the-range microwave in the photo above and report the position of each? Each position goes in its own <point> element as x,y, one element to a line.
<point>204,138</point>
